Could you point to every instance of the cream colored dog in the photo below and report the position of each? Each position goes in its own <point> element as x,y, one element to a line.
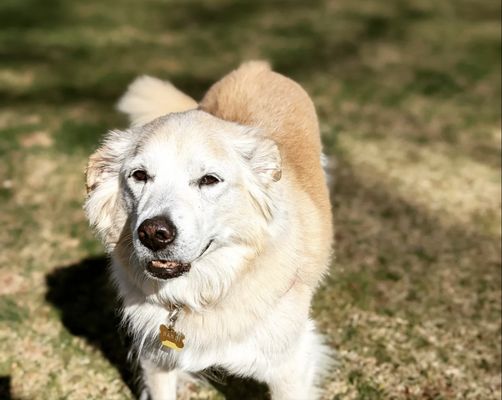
<point>218,221</point>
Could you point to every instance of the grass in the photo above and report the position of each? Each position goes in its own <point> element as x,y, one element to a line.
<point>408,95</point>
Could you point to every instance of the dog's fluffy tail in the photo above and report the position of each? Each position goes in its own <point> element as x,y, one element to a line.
<point>148,98</point>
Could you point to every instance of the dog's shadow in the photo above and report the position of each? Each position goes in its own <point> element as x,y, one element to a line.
<point>88,306</point>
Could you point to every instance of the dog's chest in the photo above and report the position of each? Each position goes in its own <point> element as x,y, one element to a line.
<point>207,343</point>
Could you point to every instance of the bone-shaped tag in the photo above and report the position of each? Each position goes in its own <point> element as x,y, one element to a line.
<point>170,338</point>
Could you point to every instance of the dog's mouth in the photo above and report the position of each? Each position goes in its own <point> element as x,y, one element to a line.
<point>168,269</point>
<point>164,269</point>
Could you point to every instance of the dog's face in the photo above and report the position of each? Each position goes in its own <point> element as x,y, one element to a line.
<point>183,187</point>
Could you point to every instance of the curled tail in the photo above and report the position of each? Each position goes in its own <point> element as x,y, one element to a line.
<point>148,98</point>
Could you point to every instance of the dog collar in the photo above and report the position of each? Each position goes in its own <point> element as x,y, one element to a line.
<point>168,336</point>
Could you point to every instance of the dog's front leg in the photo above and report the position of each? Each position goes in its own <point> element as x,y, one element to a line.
<point>296,376</point>
<point>289,384</point>
<point>160,383</point>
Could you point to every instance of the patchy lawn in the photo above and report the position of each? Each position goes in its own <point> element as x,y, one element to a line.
<point>408,95</point>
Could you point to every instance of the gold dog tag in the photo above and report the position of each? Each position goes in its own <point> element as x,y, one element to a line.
<point>170,338</point>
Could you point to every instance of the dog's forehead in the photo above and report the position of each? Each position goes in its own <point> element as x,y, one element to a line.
<point>185,137</point>
<point>186,134</point>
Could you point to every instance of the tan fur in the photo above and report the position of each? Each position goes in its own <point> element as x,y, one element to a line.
<point>256,96</point>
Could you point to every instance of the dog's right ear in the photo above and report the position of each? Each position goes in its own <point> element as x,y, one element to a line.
<point>103,206</point>
<point>261,153</point>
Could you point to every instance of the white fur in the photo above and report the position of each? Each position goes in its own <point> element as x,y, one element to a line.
<point>148,98</point>
<point>245,306</point>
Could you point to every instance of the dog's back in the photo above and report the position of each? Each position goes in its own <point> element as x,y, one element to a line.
<point>255,95</point>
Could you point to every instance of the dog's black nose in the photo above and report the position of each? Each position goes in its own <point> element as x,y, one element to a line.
<point>156,233</point>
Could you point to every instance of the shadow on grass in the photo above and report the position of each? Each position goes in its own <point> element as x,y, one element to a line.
<point>393,251</point>
<point>87,303</point>
<point>68,62</point>
<point>88,306</point>
<point>5,392</point>
<point>236,388</point>
<point>22,14</point>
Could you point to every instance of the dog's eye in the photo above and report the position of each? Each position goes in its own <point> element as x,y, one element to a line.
<point>140,175</point>
<point>208,180</point>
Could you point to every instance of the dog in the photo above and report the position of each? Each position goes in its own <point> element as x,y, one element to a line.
<point>218,222</point>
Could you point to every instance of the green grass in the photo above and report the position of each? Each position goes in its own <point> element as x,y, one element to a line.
<point>409,96</point>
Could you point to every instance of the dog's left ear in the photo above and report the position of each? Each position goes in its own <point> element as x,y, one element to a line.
<point>103,205</point>
<point>261,153</point>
